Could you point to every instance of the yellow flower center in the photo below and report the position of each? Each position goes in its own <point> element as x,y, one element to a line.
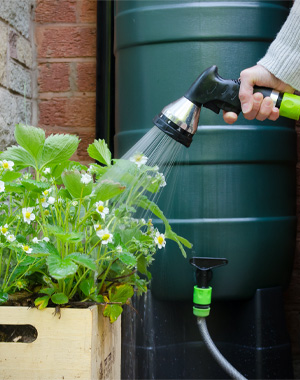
<point>3,230</point>
<point>99,228</point>
<point>47,212</point>
<point>138,157</point>
<point>5,165</point>
<point>160,239</point>
<point>25,247</point>
<point>100,208</point>
<point>105,237</point>
<point>43,200</point>
<point>27,215</point>
<point>46,192</point>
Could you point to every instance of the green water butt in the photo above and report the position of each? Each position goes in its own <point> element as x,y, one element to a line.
<point>236,192</point>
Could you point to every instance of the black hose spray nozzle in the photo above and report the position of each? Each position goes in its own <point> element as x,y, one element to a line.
<point>180,119</point>
<point>202,292</point>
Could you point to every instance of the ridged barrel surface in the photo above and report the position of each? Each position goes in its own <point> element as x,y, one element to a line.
<point>236,193</point>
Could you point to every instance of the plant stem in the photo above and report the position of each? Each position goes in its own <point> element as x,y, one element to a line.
<point>105,274</point>
<point>77,283</point>
<point>7,270</point>
<point>1,253</point>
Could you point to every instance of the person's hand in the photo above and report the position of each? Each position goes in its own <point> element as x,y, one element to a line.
<point>254,106</point>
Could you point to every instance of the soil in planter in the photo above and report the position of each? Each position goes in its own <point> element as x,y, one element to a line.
<point>18,333</point>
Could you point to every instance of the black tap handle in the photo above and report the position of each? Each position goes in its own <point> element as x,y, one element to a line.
<point>213,92</point>
<point>206,263</point>
<point>204,267</point>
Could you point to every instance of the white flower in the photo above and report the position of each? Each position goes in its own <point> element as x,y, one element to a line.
<point>7,165</point>
<point>160,240</point>
<point>119,249</point>
<point>51,200</point>
<point>97,228</point>
<point>47,192</point>
<point>162,179</point>
<point>28,214</point>
<point>27,249</point>
<point>139,159</point>
<point>101,209</point>
<point>35,240</point>
<point>105,236</point>
<point>10,238</point>
<point>2,186</point>
<point>4,229</point>
<point>86,178</point>
<point>46,239</point>
<point>59,200</point>
<point>43,179</point>
<point>47,171</point>
<point>45,204</point>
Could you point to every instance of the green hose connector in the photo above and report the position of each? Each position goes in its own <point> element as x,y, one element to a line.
<point>202,301</point>
<point>290,106</point>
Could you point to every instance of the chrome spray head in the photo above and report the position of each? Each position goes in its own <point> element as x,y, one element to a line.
<point>180,119</point>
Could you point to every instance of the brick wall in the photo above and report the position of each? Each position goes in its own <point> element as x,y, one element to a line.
<point>17,80</point>
<point>65,33</point>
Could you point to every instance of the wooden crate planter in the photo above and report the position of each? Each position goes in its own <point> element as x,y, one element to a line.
<point>82,344</point>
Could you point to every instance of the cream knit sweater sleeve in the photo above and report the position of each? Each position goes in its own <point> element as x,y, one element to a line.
<point>283,56</point>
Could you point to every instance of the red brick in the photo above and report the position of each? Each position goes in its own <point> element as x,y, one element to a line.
<point>66,41</point>
<point>54,77</point>
<point>68,112</point>
<point>55,11</point>
<point>87,11</point>
<point>86,76</point>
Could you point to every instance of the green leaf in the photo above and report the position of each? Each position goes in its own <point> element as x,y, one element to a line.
<point>86,286</point>
<point>72,182</point>
<point>10,176</point>
<point>66,237</point>
<point>33,185</point>
<point>146,204</point>
<point>48,291</point>
<point>64,194</point>
<point>14,188</point>
<point>123,171</point>
<point>127,234</point>
<point>3,297</point>
<point>42,302</point>
<point>60,268</point>
<point>57,170</point>
<point>107,189</point>
<point>120,293</point>
<point>98,169</point>
<point>21,239</point>
<point>43,249</point>
<point>59,298</point>
<point>128,258</point>
<point>58,148</point>
<point>113,312</point>
<point>19,156</point>
<point>30,138</point>
<point>97,298</point>
<point>142,267</point>
<point>84,260</point>
<point>100,152</point>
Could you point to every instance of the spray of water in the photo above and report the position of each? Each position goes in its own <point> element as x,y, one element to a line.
<point>162,152</point>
